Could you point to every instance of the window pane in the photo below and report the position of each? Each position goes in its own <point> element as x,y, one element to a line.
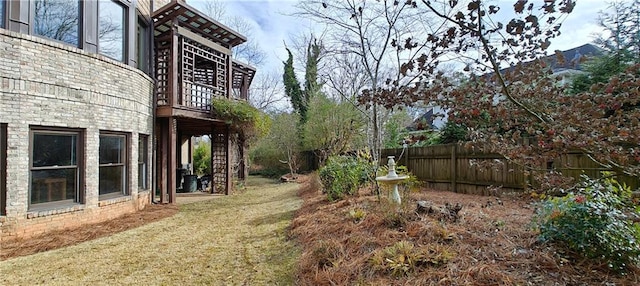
<point>111,180</point>
<point>2,13</point>
<point>142,56</point>
<point>54,150</point>
<point>111,29</point>
<point>53,185</point>
<point>142,176</point>
<point>112,149</point>
<point>57,19</point>
<point>142,162</point>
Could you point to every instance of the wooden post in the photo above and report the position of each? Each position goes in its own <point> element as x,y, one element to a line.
<point>244,93</point>
<point>173,166</point>
<point>406,158</point>
<point>211,170</point>
<point>454,164</point>
<point>227,155</point>
<point>229,75</point>
<point>162,158</point>
<point>174,84</point>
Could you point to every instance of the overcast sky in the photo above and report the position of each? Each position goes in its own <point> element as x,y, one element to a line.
<point>273,25</point>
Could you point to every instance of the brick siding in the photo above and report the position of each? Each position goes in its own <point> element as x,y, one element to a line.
<point>45,83</point>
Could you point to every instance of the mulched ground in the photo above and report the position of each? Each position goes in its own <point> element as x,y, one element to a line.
<point>350,242</point>
<point>72,236</point>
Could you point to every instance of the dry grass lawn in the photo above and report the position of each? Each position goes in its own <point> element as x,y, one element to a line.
<point>232,240</point>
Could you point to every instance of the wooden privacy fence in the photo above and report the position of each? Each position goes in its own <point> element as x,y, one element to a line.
<point>455,168</point>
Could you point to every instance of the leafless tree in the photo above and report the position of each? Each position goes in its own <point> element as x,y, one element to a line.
<point>267,92</point>
<point>373,32</point>
<point>249,52</point>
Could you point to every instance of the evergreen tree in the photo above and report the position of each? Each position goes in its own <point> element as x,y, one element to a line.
<point>292,88</point>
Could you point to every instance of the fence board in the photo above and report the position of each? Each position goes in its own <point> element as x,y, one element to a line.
<point>453,167</point>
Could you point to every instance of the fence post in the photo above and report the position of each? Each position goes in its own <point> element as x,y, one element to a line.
<point>454,163</point>
<point>406,158</point>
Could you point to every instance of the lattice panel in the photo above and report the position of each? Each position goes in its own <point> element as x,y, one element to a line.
<point>204,74</point>
<point>163,57</point>
<point>219,158</point>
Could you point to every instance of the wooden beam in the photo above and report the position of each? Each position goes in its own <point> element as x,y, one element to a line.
<point>202,40</point>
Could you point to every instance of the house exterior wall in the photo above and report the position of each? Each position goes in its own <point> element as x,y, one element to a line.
<point>157,4</point>
<point>45,83</point>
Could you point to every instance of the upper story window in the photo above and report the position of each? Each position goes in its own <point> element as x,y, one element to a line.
<point>2,13</point>
<point>57,19</point>
<point>142,46</point>
<point>111,29</point>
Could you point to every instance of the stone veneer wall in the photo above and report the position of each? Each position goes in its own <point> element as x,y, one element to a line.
<point>45,83</point>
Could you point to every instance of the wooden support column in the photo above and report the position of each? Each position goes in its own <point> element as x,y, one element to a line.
<point>172,158</point>
<point>163,171</point>
<point>174,81</point>
<point>229,76</point>
<point>212,146</point>
<point>227,154</point>
<point>244,93</point>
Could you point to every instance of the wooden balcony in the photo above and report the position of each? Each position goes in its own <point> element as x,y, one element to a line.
<point>194,63</point>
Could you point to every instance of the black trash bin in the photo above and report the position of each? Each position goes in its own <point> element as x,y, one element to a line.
<point>190,183</point>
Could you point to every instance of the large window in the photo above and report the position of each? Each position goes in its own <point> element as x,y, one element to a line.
<point>143,162</point>
<point>113,165</point>
<point>3,169</point>
<point>142,46</point>
<point>57,19</point>
<point>55,166</point>
<point>111,29</point>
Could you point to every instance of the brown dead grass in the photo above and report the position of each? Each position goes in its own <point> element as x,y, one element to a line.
<point>239,239</point>
<point>492,243</point>
<point>72,236</point>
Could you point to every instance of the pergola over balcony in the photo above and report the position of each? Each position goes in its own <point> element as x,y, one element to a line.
<point>242,78</point>
<point>194,62</point>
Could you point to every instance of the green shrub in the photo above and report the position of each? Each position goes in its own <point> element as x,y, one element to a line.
<point>248,120</point>
<point>344,175</point>
<point>452,132</point>
<point>595,221</point>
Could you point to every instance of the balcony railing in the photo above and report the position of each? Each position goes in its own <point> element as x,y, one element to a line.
<point>203,73</point>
